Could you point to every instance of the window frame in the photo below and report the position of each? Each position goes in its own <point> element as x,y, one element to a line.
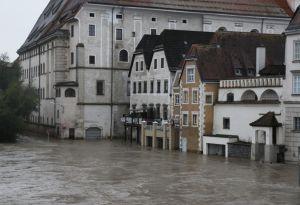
<point>176,99</point>
<point>188,75</point>
<point>193,97</point>
<point>158,88</point>
<point>90,26</point>
<point>226,126</point>
<point>183,119</point>
<point>122,35</point>
<point>166,86</point>
<point>90,58</point>
<point>185,98</point>
<point>294,91</point>
<point>103,88</point>
<point>197,121</point>
<point>212,98</point>
<point>127,53</point>
<point>296,127</point>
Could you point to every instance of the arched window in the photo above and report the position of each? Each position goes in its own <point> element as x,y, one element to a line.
<point>123,56</point>
<point>230,97</point>
<point>269,95</point>
<point>70,93</point>
<point>222,29</point>
<point>249,95</point>
<point>254,31</point>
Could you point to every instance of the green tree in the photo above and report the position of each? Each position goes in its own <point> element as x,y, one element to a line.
<point>16,100</point>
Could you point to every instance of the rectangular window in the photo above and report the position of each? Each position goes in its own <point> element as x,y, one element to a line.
<point>184,21</point>
<point>162,62</point>
<point>119,34</point>
<point>190,75</point>
<point>100,87</point>
<point>128,88</point>
<point>165,112</point>
<point>142,65</point>
<point>195,120</point>
<point>185,120</point>
<point>151,86</point>
<point>92,60</point>
<point>134,88</point>
<point>297,50</point>
<point>119,16</point>
<point>137,66</point>
<point>145,87</point>
<point>226,123</point>
<point>195,96</point>
<point>140,87</point>
<point>57,92</point>
<point>297,123</point>
<point>92,30</point>
<point>177,99</point>
<point>208,99</point>
<point>158,86</point>
<point>155,63</point>
<point>72,58</point>
<point>185,97</point>
<point>166,86</point>
<point>154,19</point>
<point>72,31</point>
<point>92,15</point>
<point>153,31</point>
<point>296,84</point>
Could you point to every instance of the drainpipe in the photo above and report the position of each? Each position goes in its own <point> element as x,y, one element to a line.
<point>39,74</point>
<point>262,25</point>
<point>112,73</point>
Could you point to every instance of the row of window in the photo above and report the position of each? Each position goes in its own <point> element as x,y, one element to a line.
<point>36,51</point>
<point>139,66</point>
<point>154,112</point>
<point>34,71</point>
<point>42,119</point>
<point>186,121</point>
<point>195,99</point>
<point>123,57</point>
<point>71,93</point>
<point>238,27</point>
<point>142,87</point>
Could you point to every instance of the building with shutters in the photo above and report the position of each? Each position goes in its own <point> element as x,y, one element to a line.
<point>78,53</point>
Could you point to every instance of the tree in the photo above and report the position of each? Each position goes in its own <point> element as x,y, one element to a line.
<point>16,100</point>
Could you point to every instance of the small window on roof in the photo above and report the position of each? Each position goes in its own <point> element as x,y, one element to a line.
<point>251,72</point>
<point>238,72</point>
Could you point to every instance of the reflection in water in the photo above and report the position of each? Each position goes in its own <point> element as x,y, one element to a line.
<point>35,171</point>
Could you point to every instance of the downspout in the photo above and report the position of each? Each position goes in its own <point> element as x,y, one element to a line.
<point>262,25</point>
<point>39,73</point>
<point>112,73</point>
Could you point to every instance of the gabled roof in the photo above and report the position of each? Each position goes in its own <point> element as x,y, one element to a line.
<point>58,12</point>
<point>174,43</point>
<point>267,120</point>
<point>232,50</point>
<point>295,22</point>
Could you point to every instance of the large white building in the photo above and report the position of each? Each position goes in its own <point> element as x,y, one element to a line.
<point>77,54</point>
<point>291,95</point>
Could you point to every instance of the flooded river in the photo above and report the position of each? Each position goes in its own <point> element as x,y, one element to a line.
<point>35,171</point>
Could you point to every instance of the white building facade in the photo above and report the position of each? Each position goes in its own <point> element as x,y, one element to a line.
<point>84,47</point>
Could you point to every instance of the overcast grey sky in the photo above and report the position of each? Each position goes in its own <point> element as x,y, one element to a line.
<point>17,19</point>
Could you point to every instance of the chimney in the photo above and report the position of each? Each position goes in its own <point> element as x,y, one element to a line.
<point>260,59</point>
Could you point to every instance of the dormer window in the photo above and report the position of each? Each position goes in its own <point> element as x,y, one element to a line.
<point>238,72</point>
<point>251,72</point>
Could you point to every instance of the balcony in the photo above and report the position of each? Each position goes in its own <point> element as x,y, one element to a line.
<point>252,82</point>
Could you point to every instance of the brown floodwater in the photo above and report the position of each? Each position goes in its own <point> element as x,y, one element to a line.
<point>35,171</point>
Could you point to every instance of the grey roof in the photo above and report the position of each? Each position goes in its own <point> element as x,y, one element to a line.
<point>295,22</point>
<point>58,12</point>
